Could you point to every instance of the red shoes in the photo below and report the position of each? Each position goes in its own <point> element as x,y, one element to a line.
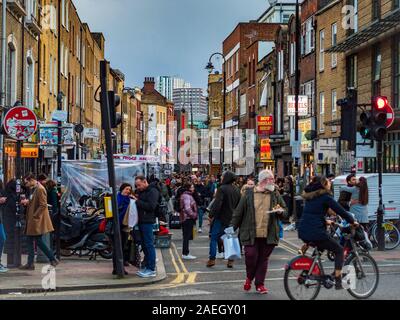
<point>262,290</point>
<point>247,285</point>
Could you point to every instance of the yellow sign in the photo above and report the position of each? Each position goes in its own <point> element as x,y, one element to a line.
<point>265,154</point>
<point>26,152</point>
<point>108,207</point>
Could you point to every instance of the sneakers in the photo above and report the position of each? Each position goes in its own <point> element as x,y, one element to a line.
<point>262,290</point>
<point>27,267</point>
<point>338,283</point>
<point>188,257</point>
<point>147,274</point>
<point>3,269</point>
<point>247,285</point>
<point>55,263</point>
<point>220,255</point>
<point>211,263</point>
<point>200,230</point>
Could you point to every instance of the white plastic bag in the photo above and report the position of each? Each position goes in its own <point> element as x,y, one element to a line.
<point>231,247</point>
<point>133,215</point>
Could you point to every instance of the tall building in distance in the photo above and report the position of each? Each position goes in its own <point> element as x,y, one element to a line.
<point>279,12</point>
<point>166,85</point>
<point>192,100</point>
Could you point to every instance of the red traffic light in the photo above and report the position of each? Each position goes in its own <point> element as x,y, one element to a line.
<point>380,103</point>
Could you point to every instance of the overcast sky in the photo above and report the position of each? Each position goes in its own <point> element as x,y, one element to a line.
<point>165,37</point>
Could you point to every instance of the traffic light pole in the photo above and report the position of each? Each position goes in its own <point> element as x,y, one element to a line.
<point>380,213</point>
<point>118,260</point>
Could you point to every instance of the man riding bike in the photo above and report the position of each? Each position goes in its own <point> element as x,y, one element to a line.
<point>312,227</point>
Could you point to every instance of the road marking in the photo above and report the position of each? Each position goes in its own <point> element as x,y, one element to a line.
<point>191,278</point>
<point>180,278</point>
<point>180,259</point>
<point>290,250</point>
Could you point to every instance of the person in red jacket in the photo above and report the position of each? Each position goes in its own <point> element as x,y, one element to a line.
<point>188,215</point>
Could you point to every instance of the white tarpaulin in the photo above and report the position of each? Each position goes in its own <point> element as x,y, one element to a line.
<point>79,178</point>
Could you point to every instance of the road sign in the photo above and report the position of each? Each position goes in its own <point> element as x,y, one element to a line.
<point>91,133</point>
<point>20,123</point>
<point>390,116</point>
<point>277,136</point>
<point>303,105</point>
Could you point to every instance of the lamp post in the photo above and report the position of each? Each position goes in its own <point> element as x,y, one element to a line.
<point>210,68</point>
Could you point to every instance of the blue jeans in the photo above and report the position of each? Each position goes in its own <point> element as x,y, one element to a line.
<point>217,231</point>
<point>3,238</point>
<point>149,250</point>
<point>40,243</point>
<point>201,214</point>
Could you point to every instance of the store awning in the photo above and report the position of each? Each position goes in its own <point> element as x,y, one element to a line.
<point>390,21</point>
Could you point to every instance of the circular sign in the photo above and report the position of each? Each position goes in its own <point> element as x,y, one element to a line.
<point>20,123</point>
<point>390,116</point>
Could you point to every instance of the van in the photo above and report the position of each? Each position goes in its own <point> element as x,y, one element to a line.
<point>390,192</point>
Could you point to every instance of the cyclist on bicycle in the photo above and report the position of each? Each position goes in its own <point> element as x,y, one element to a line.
<point>312,227</point>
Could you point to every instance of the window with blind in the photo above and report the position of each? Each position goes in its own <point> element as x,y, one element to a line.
<point>396,72</point>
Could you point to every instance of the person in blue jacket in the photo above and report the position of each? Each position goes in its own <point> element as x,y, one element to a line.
<point>312,227</point>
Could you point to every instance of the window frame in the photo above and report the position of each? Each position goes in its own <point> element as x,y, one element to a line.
<point>334,60</point>
<point>322,112</point>
<point>321,50</point>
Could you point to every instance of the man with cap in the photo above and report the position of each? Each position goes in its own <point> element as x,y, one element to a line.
<point>258,215</point>
<point>226,200</point>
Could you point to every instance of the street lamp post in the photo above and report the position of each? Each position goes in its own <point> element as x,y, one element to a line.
<point>210,68</point>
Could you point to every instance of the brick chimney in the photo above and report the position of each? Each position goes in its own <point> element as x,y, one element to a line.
<point>149,84</point>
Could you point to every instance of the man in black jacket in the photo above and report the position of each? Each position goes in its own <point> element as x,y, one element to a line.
<point>226,200</point>
<point>345,197</point>
<point>147,200</point>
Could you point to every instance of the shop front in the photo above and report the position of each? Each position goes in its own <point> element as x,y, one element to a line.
<point>326,157</point>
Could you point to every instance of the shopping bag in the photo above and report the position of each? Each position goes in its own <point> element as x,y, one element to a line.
<point>194,233</point>
<point>231,247</point>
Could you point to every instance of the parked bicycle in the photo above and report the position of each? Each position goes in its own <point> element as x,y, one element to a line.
<point>392,234</point>
<point>305,275</point>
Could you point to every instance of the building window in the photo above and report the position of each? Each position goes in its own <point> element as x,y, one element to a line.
<point>11,69</point>
<point>55,77</point>
<point>334,108</point>
<point>321,111</point>
<point>308,37</point>
<point>376,9</point>
<point>376,70</point>
<point>280,65</point>
<point>396,4</point>
<point>396,73</point>
<point>353,28</point>
<point>352,71</point>
<point>292,57</point>
<point>334,43</point>
<point>62,58</point>
<point>321,50</point>
<point>66,62</point>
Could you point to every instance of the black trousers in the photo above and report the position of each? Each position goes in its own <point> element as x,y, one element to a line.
<point>333,246</point>
<point>187,231</point>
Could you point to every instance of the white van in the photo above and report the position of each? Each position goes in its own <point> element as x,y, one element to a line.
<point>390,191</point>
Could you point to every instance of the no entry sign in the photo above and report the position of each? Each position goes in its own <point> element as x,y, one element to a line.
<point>20,123</point>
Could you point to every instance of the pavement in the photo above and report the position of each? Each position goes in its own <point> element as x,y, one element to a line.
<point>192,280</point>
<point>73,274</point>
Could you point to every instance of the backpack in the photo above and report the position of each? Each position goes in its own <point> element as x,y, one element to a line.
<point>162,209</point>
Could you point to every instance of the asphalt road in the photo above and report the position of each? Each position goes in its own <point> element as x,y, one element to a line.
<point>192,280</point>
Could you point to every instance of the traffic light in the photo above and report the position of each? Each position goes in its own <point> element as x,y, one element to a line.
<point>373,124</point>
<point>114,101</point>
<point>348,107</point>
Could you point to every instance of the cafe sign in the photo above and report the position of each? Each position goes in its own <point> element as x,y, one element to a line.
<point>265,125</point>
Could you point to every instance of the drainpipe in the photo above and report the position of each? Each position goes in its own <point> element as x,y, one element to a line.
<point>3,77</point>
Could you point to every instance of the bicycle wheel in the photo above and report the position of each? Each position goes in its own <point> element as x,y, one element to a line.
<point>366,276</point>
<point>392,235</point>
<point>298,287</point>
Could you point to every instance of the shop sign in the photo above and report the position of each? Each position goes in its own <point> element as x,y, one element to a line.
<point>26,152</point>
<point>265,154</point>
<point>304,127</point>
<point>303,106</point>
<point>49,135</point>
<point>265,125</point>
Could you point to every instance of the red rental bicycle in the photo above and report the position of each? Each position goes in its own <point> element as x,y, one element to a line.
<point>305,275</point>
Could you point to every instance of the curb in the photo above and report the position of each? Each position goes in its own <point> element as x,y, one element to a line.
<point>32,290</point>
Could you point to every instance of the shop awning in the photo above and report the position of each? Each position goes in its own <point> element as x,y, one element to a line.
<point>379,27</point>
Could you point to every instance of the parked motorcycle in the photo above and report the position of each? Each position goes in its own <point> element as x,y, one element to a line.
<point>84,235</point>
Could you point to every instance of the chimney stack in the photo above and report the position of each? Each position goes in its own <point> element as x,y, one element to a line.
<point>149,84</point>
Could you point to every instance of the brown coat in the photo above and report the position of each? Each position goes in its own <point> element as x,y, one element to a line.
<point>38,221</point>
